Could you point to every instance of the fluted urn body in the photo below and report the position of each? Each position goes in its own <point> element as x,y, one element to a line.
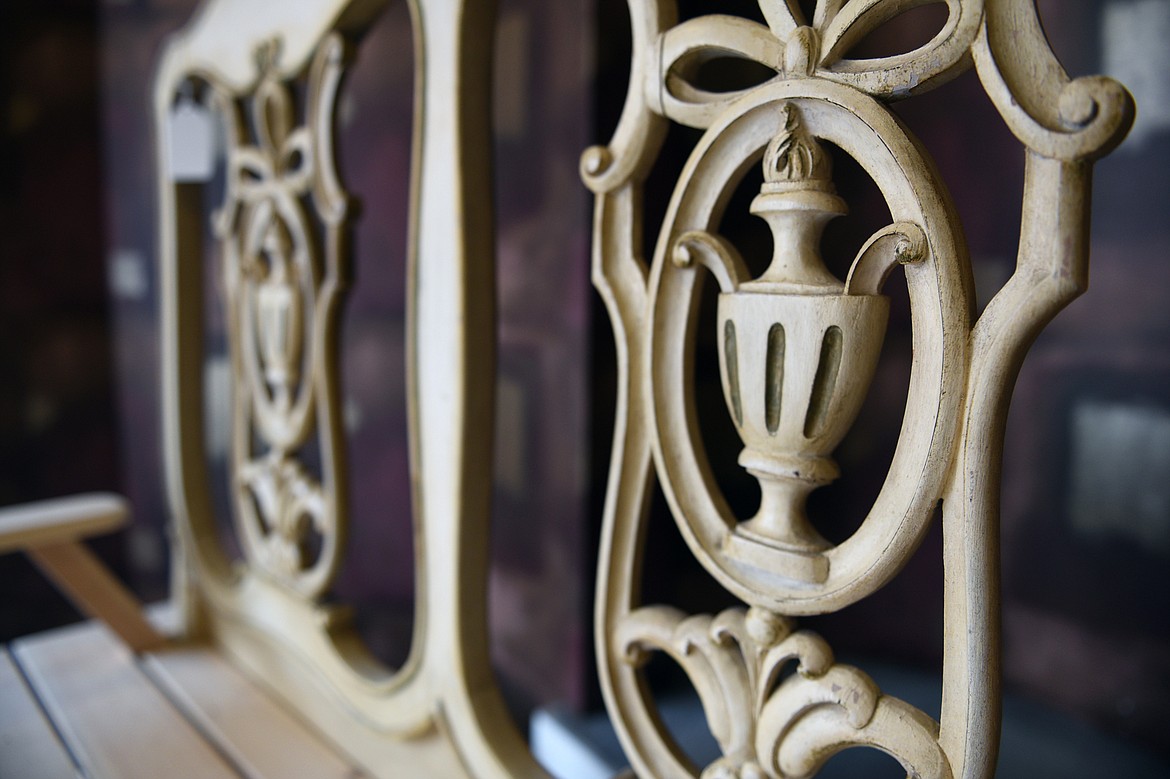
<point>796,354</point>
<point>278,314</point>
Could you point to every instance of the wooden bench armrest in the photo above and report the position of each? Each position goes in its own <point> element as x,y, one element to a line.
<point>50,532</point>
<point>48,522</point>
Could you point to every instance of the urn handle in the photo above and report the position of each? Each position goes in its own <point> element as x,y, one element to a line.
<point>901,243</point>
<point>714,253</point>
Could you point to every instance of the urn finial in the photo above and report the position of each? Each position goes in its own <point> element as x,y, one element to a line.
<point>794,159</point>
<point>797,200</point>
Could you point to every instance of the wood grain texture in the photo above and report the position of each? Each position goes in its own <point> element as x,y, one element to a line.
<point>263,739</point>
<point>29,747</point>
<point>113,719</point>
<point>796,350</point>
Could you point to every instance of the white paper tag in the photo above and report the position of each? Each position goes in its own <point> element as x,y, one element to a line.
<point>192,135</point>
<point>127,274</point>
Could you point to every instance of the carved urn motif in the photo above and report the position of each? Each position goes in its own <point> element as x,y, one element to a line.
<point>796,353</point>
<point>278,313</point>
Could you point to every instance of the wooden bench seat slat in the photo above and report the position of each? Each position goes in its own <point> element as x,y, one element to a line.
<point>262,739</point>
<point>113,718</point>
<point>29,748</point>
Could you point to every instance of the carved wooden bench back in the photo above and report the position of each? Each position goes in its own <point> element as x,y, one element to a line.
<point>797,349</point>
<point>283,239</point>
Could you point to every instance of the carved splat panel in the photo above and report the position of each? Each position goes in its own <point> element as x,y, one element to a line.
<point>283,235</point>
<point>281,229</point>
<point>797,350</point>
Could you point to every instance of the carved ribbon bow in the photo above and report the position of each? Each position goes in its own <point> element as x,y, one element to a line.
<point>794,48</point>
<point>282,164</point>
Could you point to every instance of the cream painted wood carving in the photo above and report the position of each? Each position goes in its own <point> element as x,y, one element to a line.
<point>282,232</point>
<point>282,292</point>
<point>797,350</point>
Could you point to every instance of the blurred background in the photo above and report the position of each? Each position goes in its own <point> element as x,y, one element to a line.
<point>1086,493</point>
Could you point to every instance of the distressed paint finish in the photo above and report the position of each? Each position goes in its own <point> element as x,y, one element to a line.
<point>796,352</point>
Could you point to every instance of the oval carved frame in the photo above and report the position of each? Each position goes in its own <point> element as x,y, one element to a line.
<point>939,292</point>
<point>766,723</point>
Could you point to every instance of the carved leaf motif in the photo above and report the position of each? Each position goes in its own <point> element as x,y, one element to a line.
<point>735,661</point>
<point>290,504</point>
<point>793,155</point>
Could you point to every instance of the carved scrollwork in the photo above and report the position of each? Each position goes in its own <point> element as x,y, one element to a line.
<point>1047,111</point>
<point>790,410</point>
<point>736,660</point>
<point>291,504</point>
<point>283,281</point>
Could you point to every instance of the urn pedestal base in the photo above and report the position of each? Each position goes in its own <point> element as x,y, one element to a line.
<point>785,484</point>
